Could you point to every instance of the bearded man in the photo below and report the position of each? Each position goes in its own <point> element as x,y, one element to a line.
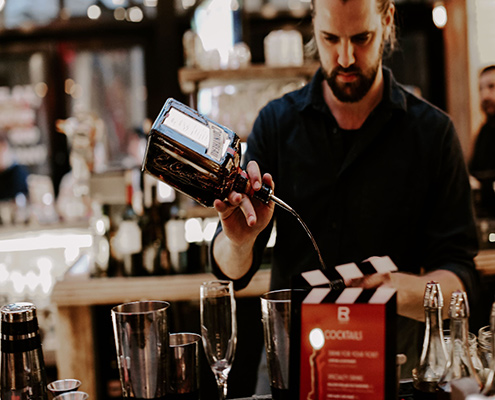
<point>482,163</point>
<point>372,169</point>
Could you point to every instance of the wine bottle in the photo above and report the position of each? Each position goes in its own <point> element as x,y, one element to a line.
<point>128,240</point>
<point>156,260</point>
<point>459,364</point>
<point>433,359</point>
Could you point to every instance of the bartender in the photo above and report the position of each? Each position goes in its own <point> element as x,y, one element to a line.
<point>372,169</point>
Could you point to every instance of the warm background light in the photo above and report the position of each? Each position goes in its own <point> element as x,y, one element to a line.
<point>439,15</point>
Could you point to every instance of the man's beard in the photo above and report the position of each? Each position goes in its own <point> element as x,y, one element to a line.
<point>488,108</point>
<point>351,92</point>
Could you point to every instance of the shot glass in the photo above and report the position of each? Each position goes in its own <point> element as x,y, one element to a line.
<point>63,386</point>
<point>72,396</point>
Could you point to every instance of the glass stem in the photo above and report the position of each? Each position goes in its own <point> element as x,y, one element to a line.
<point>222,388</point>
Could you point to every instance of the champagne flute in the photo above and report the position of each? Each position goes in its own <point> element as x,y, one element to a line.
<point>219,329</point>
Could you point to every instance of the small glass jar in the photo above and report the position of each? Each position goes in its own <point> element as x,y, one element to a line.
<point>485,347</point>
<point>473,350</point>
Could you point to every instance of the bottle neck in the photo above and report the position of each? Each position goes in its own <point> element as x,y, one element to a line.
<point>434,322</point>
<point>128,194</point>
<point>459,331</point>
<point>242,185</point>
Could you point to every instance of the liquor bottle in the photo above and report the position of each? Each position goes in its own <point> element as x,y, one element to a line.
<point>197,156</point>
<point>459,364</point>
<point>115,262</point>
<point>489,389</point>
<point>23,375</point>
<point>433,359</point>
<point>201,159</point>
<point>177,244</point>
<point>128,239</point>
<point>156,259</point>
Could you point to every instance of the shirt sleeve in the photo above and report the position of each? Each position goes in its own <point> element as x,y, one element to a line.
<point>258,150</point>
<point>453,242</point>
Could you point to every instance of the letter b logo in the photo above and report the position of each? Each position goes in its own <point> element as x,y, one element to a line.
<point>343,314</point>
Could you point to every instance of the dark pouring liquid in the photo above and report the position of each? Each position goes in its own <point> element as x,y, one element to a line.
<point>285,206</point>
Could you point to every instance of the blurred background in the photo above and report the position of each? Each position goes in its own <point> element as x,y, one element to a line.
<point>81,82</point>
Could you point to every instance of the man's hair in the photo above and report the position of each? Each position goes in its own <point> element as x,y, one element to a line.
<point>382,8</point>
<point>487,69</point>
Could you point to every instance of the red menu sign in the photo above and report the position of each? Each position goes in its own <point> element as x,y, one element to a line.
<point>347,350</point>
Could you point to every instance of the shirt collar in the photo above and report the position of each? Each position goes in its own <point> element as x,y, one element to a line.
<point>393,95</point>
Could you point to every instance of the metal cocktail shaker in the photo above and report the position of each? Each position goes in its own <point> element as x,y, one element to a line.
<point>23,374</point>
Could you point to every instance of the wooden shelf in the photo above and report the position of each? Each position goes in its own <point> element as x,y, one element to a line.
<point>189,78</point>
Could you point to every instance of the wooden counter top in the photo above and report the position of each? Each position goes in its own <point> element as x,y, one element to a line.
<point>76,296</point>
<point>88,292</point>
<point>98,291</point>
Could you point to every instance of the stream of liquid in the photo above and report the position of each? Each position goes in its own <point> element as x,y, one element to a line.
<point>285,206</point>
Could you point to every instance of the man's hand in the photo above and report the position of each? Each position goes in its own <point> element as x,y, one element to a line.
<point>242,218</point>
<point>370,281</point>
<point>410,289</point>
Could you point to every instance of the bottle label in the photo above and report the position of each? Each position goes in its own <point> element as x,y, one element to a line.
<point>210,136</point>
<point>218,142</point>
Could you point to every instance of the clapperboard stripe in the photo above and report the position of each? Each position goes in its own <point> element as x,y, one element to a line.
<point>322,293</point>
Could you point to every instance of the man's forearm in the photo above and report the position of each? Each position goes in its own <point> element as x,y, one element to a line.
<point>233,260</point>
<point>411,288</point>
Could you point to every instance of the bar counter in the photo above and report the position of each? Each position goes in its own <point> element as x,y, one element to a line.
<point>75,297</point>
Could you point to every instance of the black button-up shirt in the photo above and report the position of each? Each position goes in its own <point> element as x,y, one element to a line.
<point>398,186</point>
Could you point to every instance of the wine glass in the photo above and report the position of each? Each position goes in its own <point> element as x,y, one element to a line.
<point>219,329</point>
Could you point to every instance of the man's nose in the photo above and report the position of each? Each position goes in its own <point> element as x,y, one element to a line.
<point>346,54</point>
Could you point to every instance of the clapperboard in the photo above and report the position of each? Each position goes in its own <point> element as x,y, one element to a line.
<point>343,342</point>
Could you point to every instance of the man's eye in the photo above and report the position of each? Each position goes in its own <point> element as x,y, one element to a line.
<point>362,39</point>
<point>331,38</point>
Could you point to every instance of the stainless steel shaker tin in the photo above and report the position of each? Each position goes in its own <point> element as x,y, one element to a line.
<point>23,375</point>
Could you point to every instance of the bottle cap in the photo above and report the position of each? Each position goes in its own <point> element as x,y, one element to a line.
<point>433,297</point>
<point>18,312</point>
<point>459,307</point>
